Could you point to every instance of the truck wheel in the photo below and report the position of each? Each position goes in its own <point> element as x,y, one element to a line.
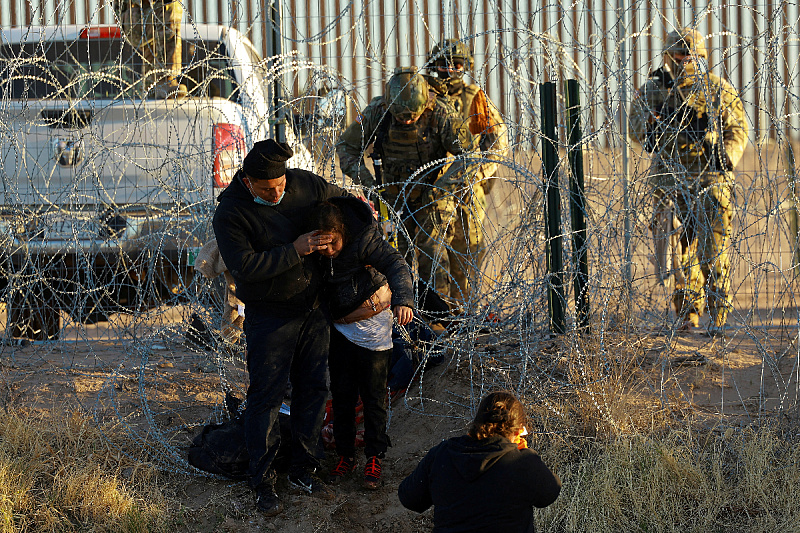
<point>32,318</point>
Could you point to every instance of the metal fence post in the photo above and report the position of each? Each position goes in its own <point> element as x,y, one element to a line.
<point>555,262</point>
<point>577,204</point>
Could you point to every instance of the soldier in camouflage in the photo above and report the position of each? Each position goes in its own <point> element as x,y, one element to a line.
<point>153,27</point>
<point>412,132</point>
<point>692,122</point>
<point>449,60</point>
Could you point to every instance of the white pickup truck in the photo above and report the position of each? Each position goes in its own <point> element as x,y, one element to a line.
<point>105,191</point>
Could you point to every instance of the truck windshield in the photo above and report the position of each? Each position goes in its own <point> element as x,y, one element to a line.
<point>104,69</point>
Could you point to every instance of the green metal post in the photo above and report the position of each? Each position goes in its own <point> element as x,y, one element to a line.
<point>794,222</point>
<point>555,261</point>
<point>577,203</point>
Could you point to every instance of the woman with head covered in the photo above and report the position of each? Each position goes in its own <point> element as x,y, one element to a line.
<point>486,480</point>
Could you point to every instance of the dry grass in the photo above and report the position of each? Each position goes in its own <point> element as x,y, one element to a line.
<point>59,473</point>
<point>633,463</point>
<point>684,481</point>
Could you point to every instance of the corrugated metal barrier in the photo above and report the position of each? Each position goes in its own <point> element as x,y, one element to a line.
<point>756,45</point>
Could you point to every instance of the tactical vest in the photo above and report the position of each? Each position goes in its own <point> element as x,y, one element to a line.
<point>406,148</point>
<point>462,100</point>
<point>682,131</point>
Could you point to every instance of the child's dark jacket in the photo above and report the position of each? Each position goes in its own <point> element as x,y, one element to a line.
<point>348,282</point>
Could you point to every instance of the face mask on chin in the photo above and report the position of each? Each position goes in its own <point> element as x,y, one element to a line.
<point>261,201</point>
<point>455,85</point>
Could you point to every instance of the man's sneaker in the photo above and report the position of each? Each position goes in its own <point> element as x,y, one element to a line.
<point>372,473</point>
<point>342,468</point>
<point>267,502</point>
<point>306,483</point>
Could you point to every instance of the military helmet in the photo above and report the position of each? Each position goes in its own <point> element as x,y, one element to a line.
<point>685,41</point>
<point>406,94</point>
<point>450,50</point>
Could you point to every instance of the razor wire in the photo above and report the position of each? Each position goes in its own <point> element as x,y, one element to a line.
<point>100,254</point>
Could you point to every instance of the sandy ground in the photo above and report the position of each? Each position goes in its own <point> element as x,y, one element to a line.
<point>149,383</point>
<point>162,401</point>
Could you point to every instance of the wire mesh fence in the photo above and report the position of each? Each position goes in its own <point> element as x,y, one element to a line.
<point>108,193</point>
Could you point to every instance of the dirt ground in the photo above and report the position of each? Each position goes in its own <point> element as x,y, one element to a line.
<point>153,390</point>
<point>153,401</point>
<point>162,397</point>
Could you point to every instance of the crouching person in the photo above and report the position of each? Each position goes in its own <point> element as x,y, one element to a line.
<point>259,228</point>
<point>367,284</point>
<point>487,480</point>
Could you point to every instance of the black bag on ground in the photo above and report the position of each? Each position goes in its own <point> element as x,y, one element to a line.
<point>222,449</point>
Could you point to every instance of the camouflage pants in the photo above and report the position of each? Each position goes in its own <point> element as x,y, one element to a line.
<point>153,28</point>
<point>705,215</point>
<point>449,241</point>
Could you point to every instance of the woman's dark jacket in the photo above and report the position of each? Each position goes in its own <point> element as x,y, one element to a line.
<point>257,244</point>
<point>348,282</point>
<point>480,485</point>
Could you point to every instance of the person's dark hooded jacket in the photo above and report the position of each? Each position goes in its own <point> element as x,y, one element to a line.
<point>257,243</point>
<point>348,282</point>
<point>480,485</point>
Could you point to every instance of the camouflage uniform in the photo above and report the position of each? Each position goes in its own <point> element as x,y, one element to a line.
<point>437,207</point>
<point>480,115</point>
<point>693,123</point>
<point>153,27</point>
<point>470,101</point>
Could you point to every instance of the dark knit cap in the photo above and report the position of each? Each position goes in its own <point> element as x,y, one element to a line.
<point>267,160</point>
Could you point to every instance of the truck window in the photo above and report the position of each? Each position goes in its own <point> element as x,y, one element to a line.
<point>101,68</point>
<point>87,68</point>
<point>207,70</point>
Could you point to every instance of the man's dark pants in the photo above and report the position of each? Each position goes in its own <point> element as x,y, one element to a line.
<point>279,350</point>
<point>358,371</point>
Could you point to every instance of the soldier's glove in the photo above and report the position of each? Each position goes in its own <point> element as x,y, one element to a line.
<point>488,139</point>
<point>654,132</point>
<point>658,124</point>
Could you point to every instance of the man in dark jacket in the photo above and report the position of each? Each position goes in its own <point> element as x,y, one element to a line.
<point>258,224</point>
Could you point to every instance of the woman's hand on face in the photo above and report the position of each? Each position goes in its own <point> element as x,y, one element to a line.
<point>312,241</point>
<point>403,314</point>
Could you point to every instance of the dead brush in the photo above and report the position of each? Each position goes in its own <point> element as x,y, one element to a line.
<point>604,379</point>
<point>632,462</point>
<point>58,472</point>
<point>685,480</point>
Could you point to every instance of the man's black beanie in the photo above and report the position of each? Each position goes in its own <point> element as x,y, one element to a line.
<point>267,160</point>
